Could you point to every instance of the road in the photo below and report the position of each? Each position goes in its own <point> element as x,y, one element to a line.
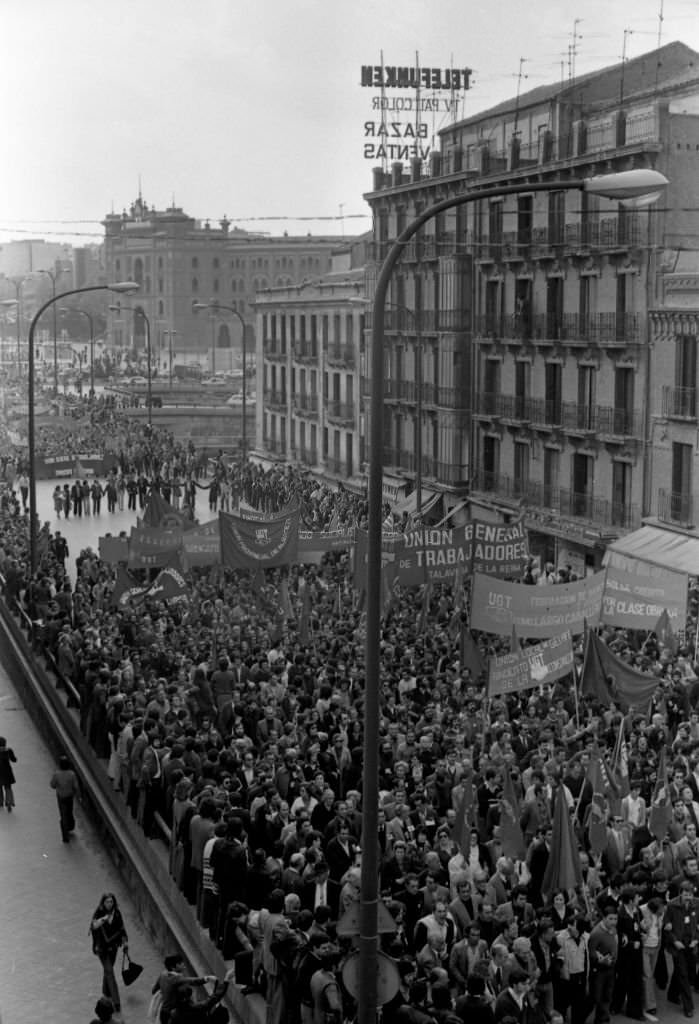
<point>48,972</point>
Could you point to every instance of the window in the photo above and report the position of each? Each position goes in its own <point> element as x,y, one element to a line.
<point>195,286</point>
<point>621,494</point>
<point>491,463</point>
<point>681,496</point>
<point>554,308</point>
<point>215,264</point>
<point>585,419</point>
<point>521,468</point>
<point>583,475</point>
<point>621,307</point>
<point>524,220</point>
<point>195,263</point>
<point>584,307</point>
<point>551,467</point>
<point>553,394</point>
<point>684,398</point>
<point>557,206</point>
<point>623,401</point>
<point>522,380</point>
<point>491,385</point>
<point>215,284</point>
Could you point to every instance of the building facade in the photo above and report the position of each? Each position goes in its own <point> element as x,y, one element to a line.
<point>310,348</point>
<point>178,262</point>
<point>527,317</point>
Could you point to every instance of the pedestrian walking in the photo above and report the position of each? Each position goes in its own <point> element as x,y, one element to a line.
<point>65,782</point>
<point>108,936</point>
<point>7,776</point>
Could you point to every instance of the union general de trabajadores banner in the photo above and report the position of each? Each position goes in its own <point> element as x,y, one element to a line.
<point>434,553</point>
<point>540,612</point>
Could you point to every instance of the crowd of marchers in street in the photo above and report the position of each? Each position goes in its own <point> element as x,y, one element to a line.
<point>242,731</point>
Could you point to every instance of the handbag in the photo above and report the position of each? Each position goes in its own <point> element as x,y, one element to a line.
<point>130,970</point>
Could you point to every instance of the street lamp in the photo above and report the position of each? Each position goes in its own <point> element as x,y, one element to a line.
<point>84,312</point>
<point>137,311</point>
<point>631,185</point>
<point>54,274</point>
<point>118,286</point>
<point>214,306</point>
<point>171,335</point>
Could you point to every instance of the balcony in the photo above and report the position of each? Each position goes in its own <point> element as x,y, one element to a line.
<point>341,412</point>
<point>675,509</point>
<point>336,466</point>
<point>274,399</point>
<point>399,459</point>
<point>680,403</point>
<point>574,505</point>
<point>606,329</point>
<point>602,420</point>
<point>424,320</point>
<point>306,352</point>
<point>341,355</point>
<point>516,245</point>
<point>274,350</point>
<point>308,456</point>
<point>306,405</point>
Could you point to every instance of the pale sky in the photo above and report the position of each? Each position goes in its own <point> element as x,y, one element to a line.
<point>253,108</point>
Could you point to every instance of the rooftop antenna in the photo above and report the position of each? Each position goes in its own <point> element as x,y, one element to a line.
<point>574,50</point>
<point>520,76</point>
<point>627,32</point>
<point>660,36</point>
<point>342,218</point>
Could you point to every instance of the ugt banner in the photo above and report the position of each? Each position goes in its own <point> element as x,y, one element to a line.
<point>540,612</point>
<point>636,593</point>
<point>152,547</point>
<point>256,544</point>
<point>532,666</point>
<point>433,554</point>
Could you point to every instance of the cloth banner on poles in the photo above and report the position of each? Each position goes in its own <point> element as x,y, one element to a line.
<point>153,547</point>
<point>539,612</point>
<point>113,549</point>
<point>435,553</point>
<point>312,545</point>
<point>531,666</point>
<point>202,545</point>
<point>611,680</point>
<point>636,595</point>
<point>252,544</point>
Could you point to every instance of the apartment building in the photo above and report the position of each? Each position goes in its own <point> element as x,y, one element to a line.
<point>527,317</point>
<point>310,348</point>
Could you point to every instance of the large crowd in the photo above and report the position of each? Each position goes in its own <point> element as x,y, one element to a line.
<point>241,729</point>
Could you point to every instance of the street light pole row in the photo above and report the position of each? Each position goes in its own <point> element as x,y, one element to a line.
<point>84,312</point>
<point>634,184</point>
<point>121,287</point>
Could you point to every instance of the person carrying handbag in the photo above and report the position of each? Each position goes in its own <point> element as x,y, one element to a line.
<point>108,935</point>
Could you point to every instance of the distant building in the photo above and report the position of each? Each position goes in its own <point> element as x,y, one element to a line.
<point>24,256</point>
<point>178,261</point>
<point>529,313</point>
<point>311,363</point>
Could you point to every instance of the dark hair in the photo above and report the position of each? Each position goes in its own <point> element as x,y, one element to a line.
<point>517,975</point>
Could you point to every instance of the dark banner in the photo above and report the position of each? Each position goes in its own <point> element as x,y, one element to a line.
<point>114,549</point>
<point>433,554</point>
<point>255,544</point>
<point>85,464</point>
<point>202,545</point>
<point>151,547</point>
<point>312,546</point>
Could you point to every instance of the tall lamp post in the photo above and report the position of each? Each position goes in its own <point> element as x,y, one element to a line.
<point>84,312</point>
<point>627,185</point>
<point>149,394</point>
<point>171,335</point>
<point>120,287</point>
<point>54,275</point>
<point>214,306</point>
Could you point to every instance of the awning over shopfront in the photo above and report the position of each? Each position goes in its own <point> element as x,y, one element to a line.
<point>665,548</point>
<point>409,504</point>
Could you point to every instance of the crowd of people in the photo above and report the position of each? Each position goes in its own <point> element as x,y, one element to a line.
<point>241,730</point>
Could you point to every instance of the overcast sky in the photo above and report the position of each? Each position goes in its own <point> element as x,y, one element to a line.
<point>254,108</point>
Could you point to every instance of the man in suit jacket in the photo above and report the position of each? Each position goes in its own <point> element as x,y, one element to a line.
<point>320,890</point>
<point>618,849</point>
<point>464,908</point>
<point>499,887</point>
<point>340,852</point>
<point>512,1001</point>
<point>464,956</point>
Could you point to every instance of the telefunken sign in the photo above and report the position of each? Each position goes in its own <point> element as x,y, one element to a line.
<point>397,139</point>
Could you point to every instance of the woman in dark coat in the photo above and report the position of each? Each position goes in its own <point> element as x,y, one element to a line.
<point>108,934</point>
<point>7,776</point>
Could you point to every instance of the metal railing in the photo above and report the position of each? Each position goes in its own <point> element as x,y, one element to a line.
<point>676,508</point>
<point>306,404</point>
<point>680,403</point>
<point>341,355</point>
<point>574,504</point>
<point>275,398</point>
<point>341,412</point>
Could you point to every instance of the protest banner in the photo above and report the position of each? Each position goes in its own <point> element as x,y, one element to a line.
<point>433,554</point>
<point>539,612</point>
<point>252,544</point>
<point>152,547</point>
<point>636,593</point>
<point>312,545</point>
<point>531,666</point>
<point>202,545</point>
<point>113,549</point>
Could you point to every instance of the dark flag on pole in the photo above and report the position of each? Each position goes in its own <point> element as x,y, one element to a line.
<point>664,632</point>
<point>661,807</point>
<point>563,867</point>
<point>469,654</point>
<point>511,836</point>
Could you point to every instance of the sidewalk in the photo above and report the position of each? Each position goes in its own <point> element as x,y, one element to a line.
<point>48,973</point>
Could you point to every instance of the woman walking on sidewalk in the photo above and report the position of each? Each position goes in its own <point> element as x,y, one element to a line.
<point>108,934</point>
<point>7,776</point>
<point>65,782</point>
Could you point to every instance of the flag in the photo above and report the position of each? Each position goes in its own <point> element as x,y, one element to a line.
<point>389,588</point>
<point>510,830</point>
<point>305,618</point>
<point>515,647</point>
<point>423,617</point>
<point>661,807</point>
<point>337,603</point>
<point>597,813</point>
<point>285,601</point>
<point>620,764</point>
<point>610,680</point>
<point>469,653</point>
<point>462,825</point>
<point>664,633</point>
<point>563,866</point>
<point>125,590</point>
<point>168,585</point>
